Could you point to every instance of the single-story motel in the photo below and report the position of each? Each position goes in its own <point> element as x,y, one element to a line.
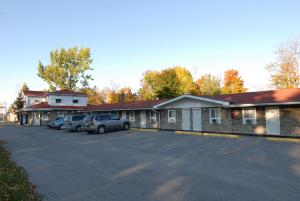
<point>275,112</point>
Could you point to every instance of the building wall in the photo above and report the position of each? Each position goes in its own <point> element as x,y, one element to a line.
<point>290,120</point>
<point>164,124</point>
<point>225,124</point>
<point>32,100</point>
<point>67,100</point>
<point>258,128</point>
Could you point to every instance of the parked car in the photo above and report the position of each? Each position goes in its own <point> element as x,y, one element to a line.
<point>74,122</point>
<point>104,122</point>
<point>57,123</point>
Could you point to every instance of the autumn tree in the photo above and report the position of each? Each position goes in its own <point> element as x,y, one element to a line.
<point>284,71</point>
<point>233,83</point>
<point>185,79</point>
<point>208,85</point>
<point>167,84</point>
<point>126,95</point>
<point>95,96</point>
<point>67,68</point>
<point>146,92</point>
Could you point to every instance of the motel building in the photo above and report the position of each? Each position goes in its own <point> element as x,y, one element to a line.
<point>275,112</point>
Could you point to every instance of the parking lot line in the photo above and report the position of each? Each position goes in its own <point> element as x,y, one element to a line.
<point>243,147</point>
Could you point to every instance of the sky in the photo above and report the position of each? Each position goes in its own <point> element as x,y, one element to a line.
<point>128,37</point>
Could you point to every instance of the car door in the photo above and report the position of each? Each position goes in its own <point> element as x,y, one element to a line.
<point>117,123</point>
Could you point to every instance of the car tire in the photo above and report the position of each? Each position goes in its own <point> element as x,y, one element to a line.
<point>126,126</point>
<point>59,127</point>
<point>77,128</point>
<point>101,130</point>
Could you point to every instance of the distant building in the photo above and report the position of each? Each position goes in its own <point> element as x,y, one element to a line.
<point>2,111</point>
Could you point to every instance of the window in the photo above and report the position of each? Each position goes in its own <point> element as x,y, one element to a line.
<point>76,101</point>
<point>60,114</point>
<point>152,116</point>
<point>58,100</point>
<point>102,117</point>
<point>132,116</point>
<point>214,116</point>
<point>114,117</point>
<point>171,116</point>
<point>249,116</point>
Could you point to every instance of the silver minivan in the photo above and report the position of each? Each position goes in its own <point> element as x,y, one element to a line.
<point>104,122</point>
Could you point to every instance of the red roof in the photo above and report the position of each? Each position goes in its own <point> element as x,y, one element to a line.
<point>59,92</point>
<point>67,92</point>
<point>46,106</point>
<point>261,97</point>
<point>34,93</point>
<point>134,105</point>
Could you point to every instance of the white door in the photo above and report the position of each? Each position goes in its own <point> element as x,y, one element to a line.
<point>37,119</point>
<point>186,119</point>
<point>123,115</point>
<point>143,119</point>
<point>197,124</point>
<point>273,120</point>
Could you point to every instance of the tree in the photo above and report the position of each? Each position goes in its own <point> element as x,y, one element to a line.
<point>95,96</point>
<point>233,83</point>
<point>125,95</point>
<point>208,85</point>
<point>284,71</point>
<point>18,103</point>
<point>67,68</point>
<point>185,79</point>
<point>146,92</point>
<point>167,84</point>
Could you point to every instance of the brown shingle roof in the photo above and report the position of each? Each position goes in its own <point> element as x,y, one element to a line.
<point>34,93</point>
<point>261,97</point>
<point>45,105</point>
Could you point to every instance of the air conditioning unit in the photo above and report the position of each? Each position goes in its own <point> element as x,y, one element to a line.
<point>249,121</point>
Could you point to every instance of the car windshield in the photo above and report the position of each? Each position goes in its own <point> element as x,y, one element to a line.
<point>88,118</point>
<point>78,117</point>
<point>67,118</point>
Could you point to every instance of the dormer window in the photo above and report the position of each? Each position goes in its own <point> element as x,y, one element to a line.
<point>75,101</point>
<point>58,100</point>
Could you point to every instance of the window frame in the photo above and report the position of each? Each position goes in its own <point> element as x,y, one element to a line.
<point>132,117</point>
<point>218,119</point>
<point>253,119</point>
<point>56,100</point>
<point>172,119</point>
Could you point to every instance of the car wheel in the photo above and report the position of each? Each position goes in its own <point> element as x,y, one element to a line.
<point>59,127</point>
<point>77,128</point>
<point>101,130</point>
<point>126,126</point>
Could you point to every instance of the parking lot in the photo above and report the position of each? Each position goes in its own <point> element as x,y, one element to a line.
<point>154,166</point>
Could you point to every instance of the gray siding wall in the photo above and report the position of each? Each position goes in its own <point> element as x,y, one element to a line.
<point>258,128</point>
<point>164,124</point>
<point>224,126</point>
<point>290,120</point>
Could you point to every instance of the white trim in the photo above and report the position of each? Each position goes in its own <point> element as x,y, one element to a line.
<point>154,117</point>
<point>172,119</point>
<point>218,119</point>
<point>223,103</point>
<point>253,120</point>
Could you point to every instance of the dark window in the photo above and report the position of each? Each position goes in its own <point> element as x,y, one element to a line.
<point>75,101</point>
<point>114,117</point>
<point>102,117</point>
<point>78,118</point>
<point>58,100</point>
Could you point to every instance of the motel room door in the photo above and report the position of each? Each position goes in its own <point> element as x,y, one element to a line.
<point>186,119</point>
<point>272,120</point>
<point>37,118</point>
<point>123,116</point>
<point>197,123</point>
<point>143,119</point>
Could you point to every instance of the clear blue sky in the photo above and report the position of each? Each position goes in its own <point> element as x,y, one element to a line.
<point>129,37</point>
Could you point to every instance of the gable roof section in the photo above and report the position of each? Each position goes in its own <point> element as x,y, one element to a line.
<point>34,93</point>
<point>46,106</point>
<point>272,97</point>
<point>200,98</point>
<point>134,105</point>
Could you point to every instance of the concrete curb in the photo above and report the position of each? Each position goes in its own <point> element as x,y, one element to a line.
<point>208,134</point>
<point>144,129</point>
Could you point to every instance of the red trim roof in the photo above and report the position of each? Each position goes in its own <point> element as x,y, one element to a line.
<point>34,93</point>
<point>67,92</point>
<point>134,105</point>
<point>261,97</point>
<point>46,106</point>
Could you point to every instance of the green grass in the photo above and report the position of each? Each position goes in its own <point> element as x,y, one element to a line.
<point>14,184</point>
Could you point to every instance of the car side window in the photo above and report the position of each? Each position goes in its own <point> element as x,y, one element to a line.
<point>106,117</point>
<point>98,118</point>
<point>114,117</point>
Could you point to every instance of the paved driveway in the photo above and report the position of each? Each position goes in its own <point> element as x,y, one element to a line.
<point>154,166</point>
